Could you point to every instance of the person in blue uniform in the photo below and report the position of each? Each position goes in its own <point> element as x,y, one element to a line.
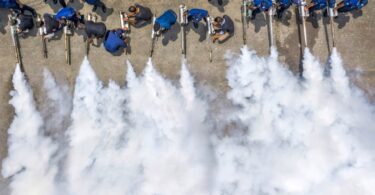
<point>17,5</point>
<point>69,14</point>
<point>165,22</point>
<point>297,2</point>
<point>50,25</point>
<point>282,6</point>
<point>316,5</point>
<point>96,4</point>
<point>259,6</point>
<point>139,15</point>
<point>196,15</point>
<point>115,40</point>
<point>350,5</point>
<point>224,28</point>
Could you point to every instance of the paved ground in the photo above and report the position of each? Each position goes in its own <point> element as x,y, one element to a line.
<point>355,38</point>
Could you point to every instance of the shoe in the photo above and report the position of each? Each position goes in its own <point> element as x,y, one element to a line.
<point>94,8</point>
<point>104,9</point>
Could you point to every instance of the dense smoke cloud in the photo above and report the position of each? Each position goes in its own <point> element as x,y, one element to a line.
<point>280,134</point>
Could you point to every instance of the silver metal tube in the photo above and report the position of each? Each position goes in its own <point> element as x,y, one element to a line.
<point>183,22</point>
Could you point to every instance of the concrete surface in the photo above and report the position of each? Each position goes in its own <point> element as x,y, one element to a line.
<point>355,39</point>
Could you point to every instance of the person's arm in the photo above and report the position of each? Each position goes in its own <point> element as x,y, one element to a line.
<point>215,37</point>
<point>131,15</point>
<point>340,5</point>
<point>223,37</point>
<point>309,6</point>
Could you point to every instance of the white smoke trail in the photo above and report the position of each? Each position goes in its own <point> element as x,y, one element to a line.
<point>283,134</point>
<point>57,107</point>
<point>29,152</point>
<point>302,138</point>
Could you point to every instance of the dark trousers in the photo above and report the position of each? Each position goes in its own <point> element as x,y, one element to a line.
<point>281,9</point>
<point>25,8</point>
<point>255,12</point>
<point>99,4</point>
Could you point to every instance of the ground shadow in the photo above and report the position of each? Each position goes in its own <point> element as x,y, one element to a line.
<point>259,22</point>
<point>3,20</point>
<point>216,4</point>
<point>76,4</point>
<point>287,15</point>
<point>201,30</point>
<point>171,34</point>
<point>103,15</point>
<point>343,18</point>
<point>314,18</point>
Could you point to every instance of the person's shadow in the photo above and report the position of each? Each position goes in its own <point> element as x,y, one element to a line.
<point>171,34</point>
<point>220,4</point>
<point>287,15</point>
<point>313,19</point>
<point>342,19</point>
<point>3,20</point>
<point>259,22</point>
<point>201,30</point>
<point>103,15</point>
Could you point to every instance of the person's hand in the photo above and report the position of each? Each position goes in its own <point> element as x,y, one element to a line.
<point>215,37</point>
<point>126,19</point>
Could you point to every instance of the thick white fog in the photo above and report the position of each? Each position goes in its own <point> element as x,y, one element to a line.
<point>274,133</point>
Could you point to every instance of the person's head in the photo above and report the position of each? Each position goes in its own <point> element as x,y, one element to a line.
<point>132,9</point>
<point>218,20</point>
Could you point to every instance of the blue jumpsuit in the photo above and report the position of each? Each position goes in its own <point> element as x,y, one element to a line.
<point>67,12</point>
<point>319,4</point>
<point>196,15</point>
<point>167,20</point>
<point>349,5</point>
<point>362,4</point>
<point>9,4</point>
<point>283,5</point>
<point>297,2</point>
<point>12,4</point>
<point>113,41</point>
<point>262,5</point>
<point>331,3</point>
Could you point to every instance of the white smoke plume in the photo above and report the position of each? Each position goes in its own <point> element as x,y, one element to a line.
<point>29,152</point>
<point>309,136</point>
<point>282,134</point>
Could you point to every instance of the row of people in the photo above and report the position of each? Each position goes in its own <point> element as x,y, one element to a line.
<point>116,39</point>
<point>258,6</point>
